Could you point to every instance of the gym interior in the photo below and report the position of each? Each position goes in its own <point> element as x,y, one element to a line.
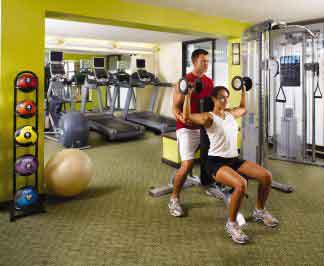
<point>88,134</point>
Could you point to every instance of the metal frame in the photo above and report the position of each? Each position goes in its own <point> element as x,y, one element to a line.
<point>39,206</point>
<point>313,105</point>
<point>304,101</point>
<point>214,190</point>
<point>260,96</point>
<point>264,89</point>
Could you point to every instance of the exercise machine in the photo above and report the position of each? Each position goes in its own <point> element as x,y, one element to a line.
<point>103,121</point>
<point>285,111</point>
<point>69,128</point>
<point>151,120</point>
<point>120,80</point>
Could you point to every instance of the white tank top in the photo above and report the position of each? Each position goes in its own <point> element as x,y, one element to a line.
<point>223,136</point>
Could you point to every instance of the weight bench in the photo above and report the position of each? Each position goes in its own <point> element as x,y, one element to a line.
<point>211,187</point>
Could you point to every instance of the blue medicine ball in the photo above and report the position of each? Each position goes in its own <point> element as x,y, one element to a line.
<point>26,197</point>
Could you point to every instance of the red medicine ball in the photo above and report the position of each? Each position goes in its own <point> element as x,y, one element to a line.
<point>27,82</point>
<point>26,109</point>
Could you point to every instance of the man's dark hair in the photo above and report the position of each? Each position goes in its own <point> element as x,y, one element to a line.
<point>217,89</point>
<point>196,53</point>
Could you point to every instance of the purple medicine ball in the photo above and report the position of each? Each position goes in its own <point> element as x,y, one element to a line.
<point>26,165</point>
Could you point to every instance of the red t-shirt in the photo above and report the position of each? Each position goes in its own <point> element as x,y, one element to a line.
<point>195,97</point>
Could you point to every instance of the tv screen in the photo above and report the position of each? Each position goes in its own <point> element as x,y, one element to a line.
<point>99,62</point>
<point>140,63</point>
<point>56,56</point>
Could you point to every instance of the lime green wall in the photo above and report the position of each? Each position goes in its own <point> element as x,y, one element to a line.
<point>22,47</point>
<point>234,70</point>
<point>77,57</point>
<point>94,103</point>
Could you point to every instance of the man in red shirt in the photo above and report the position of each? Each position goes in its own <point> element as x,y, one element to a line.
<point>188,135</point>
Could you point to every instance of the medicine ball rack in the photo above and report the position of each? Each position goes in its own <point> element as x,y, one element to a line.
<point>38,206</point>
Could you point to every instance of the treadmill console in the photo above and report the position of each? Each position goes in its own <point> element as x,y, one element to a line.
<point>101,76</point>
<point>143,76</point>
<point>90,77</point>
<point>123,77</point>
<point>112,78</point>
<point>57,72</point>
<point>56,67</point>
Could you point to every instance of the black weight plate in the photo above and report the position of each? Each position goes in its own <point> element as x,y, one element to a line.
<point>247,82</point>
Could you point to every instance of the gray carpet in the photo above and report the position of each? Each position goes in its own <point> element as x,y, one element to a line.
<point>115,222</point>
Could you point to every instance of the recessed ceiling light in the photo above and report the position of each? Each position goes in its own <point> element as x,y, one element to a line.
<point>190,9</point>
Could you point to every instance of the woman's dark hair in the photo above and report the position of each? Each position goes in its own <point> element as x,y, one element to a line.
<point>218,89</point>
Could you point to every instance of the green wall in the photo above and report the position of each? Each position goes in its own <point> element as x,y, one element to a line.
<point>22,47</point>
<point>94,103</point>
<point>234,70</point>
<point>77,57</point>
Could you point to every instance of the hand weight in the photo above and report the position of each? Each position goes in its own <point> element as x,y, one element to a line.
<point>238,83</point>
<point>185,85</point>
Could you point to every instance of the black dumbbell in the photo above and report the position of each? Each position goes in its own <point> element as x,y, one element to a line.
<point>238,83</point>
<point>185,85</point>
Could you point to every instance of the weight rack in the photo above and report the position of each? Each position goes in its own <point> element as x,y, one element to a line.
<point>39,206</point>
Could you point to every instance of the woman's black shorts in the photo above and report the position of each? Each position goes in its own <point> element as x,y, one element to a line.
<point>214,163</point>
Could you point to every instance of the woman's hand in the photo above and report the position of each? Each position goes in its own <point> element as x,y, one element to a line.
<point>240,110</point>
<point>180,118</point>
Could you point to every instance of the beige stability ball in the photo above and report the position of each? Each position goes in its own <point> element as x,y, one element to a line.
<point>68,173</point>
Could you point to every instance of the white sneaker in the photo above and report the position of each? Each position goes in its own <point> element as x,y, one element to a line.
<point>236,233</point>
<point>175,207</point>
<point>265,217</point>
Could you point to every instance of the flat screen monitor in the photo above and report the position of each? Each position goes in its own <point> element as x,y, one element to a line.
<point>99,62</point>
<point>140,63</point>
<point>56,56</point>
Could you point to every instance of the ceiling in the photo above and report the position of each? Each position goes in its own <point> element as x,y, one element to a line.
<point>248,10</point>
<point>72,29</point>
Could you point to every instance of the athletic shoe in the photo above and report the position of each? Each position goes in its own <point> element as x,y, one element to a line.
<point>265,217</point>
<point>236,233</point>
<point>175,207</point>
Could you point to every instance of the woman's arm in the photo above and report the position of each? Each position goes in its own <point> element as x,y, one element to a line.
<point>201,119</point>
<point>240,110</point>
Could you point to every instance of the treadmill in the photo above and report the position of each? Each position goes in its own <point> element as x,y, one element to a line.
<point>118,80</point>
<point>151,120</point>
<point>103,121</point>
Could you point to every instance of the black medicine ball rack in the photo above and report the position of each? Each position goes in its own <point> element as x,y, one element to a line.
<point>38,205</point>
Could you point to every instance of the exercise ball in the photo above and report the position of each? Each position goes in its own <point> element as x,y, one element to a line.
<point>68,173</point>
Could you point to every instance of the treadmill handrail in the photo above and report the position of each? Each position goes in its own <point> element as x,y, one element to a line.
<point>163,84</point>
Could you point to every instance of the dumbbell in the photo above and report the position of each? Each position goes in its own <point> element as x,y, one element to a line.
<point>238,83</point>
<point>185,85</point>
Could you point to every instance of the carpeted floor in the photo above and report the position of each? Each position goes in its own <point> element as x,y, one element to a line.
<point>115,222</point>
